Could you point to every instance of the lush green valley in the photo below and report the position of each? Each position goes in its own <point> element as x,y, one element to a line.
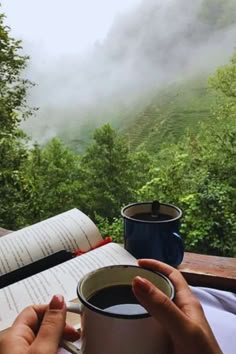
<point>179,147</point>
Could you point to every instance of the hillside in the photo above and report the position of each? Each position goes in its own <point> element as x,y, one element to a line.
<point>168,114</point>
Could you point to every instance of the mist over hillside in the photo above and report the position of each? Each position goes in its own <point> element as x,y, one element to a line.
<point>155,44</point>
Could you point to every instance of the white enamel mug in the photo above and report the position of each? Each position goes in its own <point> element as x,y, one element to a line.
<point>107,332</point>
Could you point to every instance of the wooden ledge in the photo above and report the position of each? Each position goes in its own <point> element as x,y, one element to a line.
<point>209,271</point>
<point>4,232</point>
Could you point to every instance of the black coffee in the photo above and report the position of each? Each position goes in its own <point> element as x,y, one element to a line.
<point>150,217</point>
<point>118,299</point>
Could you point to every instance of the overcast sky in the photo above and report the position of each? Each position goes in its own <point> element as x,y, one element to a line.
<point>62,26</point>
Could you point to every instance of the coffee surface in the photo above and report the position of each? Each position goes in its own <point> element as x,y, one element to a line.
<point>150,217</point>
<point>118,299</point>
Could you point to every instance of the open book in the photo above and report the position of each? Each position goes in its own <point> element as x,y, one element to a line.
<point>69,231</point>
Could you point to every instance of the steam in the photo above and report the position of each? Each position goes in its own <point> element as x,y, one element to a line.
<point>152,45</point>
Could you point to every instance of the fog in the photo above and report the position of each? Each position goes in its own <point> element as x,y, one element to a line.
<point>147,46</point>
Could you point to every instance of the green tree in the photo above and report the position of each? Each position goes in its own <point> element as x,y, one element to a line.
<point>224,80</point>
<point>51,174</point>
<point>13,108</point>
<point>107,174</point>
<point>142,162</point>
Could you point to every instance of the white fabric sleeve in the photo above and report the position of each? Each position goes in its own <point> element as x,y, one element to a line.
<point>220,310</point>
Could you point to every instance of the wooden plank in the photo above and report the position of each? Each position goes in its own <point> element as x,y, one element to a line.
<point>211,271</point>
<point>4,231</point>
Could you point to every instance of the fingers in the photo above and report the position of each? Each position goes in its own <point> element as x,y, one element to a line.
<point>42,326</point>
<point>173,274</point>
<point>30,316</point>
<point>174,321</point>
<point>70,333</point>
<point>184,298</point>
<point>159,305</point>
<point>156,265</point>
<point>27,322</point>
<point>182,289</point>
<point>52,327</point>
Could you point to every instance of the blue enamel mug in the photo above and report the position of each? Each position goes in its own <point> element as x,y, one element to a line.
<point>151,230</point>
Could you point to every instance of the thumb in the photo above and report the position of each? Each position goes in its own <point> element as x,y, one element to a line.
<point>159,306</point>
<point>52,326</point>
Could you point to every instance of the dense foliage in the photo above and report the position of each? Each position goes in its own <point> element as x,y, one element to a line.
<point>13,109</point>
<point>197,172</point>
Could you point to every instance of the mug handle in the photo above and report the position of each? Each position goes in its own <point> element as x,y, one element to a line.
<point>175,250</point>
<point>73,307</point>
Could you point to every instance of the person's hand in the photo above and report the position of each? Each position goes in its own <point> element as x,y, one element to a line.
<point>39,329</point>
<point>183,318</point>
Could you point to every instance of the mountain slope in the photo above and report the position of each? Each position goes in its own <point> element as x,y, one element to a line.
<point>169,113</point>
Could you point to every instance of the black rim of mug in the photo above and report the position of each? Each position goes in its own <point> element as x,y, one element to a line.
<point>149,221</point>
<point>87,304</point>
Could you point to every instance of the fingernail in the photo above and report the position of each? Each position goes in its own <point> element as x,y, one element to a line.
<point>142,285</point>
<point>57,303</point>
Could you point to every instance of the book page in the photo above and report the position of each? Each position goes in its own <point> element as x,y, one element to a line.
<point>68,231</point>
<point>61,279</point>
